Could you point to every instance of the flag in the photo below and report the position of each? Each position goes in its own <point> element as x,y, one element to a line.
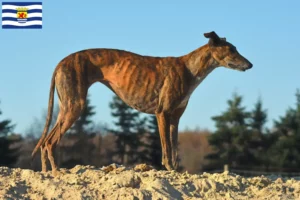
<point>25,15</point>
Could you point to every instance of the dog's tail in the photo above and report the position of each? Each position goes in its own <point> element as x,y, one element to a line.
<point>49,116</point>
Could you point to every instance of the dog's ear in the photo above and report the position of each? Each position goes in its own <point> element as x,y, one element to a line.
<point>213,38</point>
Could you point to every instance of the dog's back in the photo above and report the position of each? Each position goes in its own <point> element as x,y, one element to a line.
<point>136,79</point>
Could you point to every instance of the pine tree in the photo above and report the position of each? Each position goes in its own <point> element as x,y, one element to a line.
<point>138,148</point>
<point>258,117</point>
<point>8,156</point>
<point>287,149</point>
<point>231,139</point>
<point>262,139</point>
<point>125,121</point>
<point>129,130</point>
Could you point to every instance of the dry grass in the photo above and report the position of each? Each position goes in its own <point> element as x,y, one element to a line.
<point>193,146</point>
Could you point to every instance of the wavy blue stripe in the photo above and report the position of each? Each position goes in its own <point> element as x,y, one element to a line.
<point>15,19</point>
<point>15,11</point>
<point>21,27</point>
<point>21,3</point>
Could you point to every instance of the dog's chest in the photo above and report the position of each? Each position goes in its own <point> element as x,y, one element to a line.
<point>191,89</point>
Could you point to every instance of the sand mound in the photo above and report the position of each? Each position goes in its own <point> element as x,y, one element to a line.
<point>140,182</point>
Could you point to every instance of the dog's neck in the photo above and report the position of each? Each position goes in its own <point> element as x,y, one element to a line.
<point>200,62</point>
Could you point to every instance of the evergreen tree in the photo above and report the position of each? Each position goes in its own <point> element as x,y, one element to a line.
<point>8,156</point>
<point>125,122</point>
<point>258,117</point>
<point>138,148</point>
<point>287,148</point>
<point>231,140</point>
<point>129,130</point>
<point>262,139</point>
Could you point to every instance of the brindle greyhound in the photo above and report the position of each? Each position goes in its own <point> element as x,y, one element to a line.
<point>155,85</point>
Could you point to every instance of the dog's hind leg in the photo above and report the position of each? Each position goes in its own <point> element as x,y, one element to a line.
<point>64,121</point>
<point>43,158</point>
<point>72,90</point>
<point>44,152</point>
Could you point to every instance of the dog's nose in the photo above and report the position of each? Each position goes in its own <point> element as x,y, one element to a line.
<point>250,66</point>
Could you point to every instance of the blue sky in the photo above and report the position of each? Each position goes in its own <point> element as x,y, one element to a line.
<point>265,32</point>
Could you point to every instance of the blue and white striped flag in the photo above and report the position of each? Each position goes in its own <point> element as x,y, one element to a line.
<point>22,15</point>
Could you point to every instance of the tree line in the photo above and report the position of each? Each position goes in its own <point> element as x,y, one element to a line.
<point>241,140</point>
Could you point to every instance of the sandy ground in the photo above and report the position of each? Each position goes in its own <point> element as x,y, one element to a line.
<point>141,182</point>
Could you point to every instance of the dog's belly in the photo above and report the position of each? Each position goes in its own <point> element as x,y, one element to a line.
<point>141,101</point>
<point>138,87</point>
<point>140,105</point>
<point>143,104</point>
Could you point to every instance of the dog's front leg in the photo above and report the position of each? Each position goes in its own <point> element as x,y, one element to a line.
<point>175,117</point>
<point>163,120</point>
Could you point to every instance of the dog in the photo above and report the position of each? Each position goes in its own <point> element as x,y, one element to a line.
<point>154,85</point>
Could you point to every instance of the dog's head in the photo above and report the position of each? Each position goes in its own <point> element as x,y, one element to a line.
<point>226,54</point>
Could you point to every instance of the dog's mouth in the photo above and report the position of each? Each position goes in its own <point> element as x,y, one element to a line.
<point>232,66</point>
